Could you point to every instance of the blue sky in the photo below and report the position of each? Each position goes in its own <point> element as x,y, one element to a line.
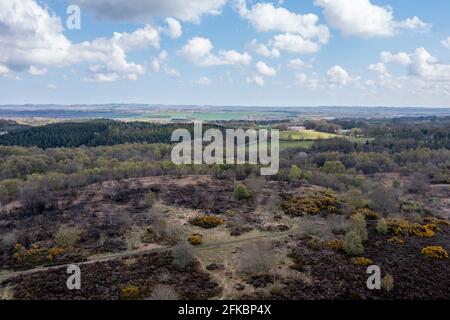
<point>227,52</point>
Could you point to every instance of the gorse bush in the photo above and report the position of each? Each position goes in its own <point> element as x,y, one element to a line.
<point>435,252</point>
<point>207,222</point>
<point>130,293</point>
<point>67,237</point>
<point>361,261</point>
<point>353,244</point>
<point>241,192</point>
<point>195,239</point>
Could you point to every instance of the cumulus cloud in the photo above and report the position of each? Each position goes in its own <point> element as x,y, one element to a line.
<point>199,52</point>
<point>257,79</point>
<point>173,29</point>
<point>265,70</point>
<point>420,63</point>
<point>264,50</point>
<point>379,69</point>
<point>296,64</point>
<point>298,33</point>
<point>338,76</point>
<point>294,44</point>
<point>400,58</point>
<point>424,65</point>
<point>204,81</point>
<point>446,43</point>
<point>144,11</point>
<point>363,19</point>
<point>35,42</point>
<point>35,71</point>
<point>266,17</point>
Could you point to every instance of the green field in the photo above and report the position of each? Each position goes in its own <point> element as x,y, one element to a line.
<point>206,116</point>
<point>305,135</point>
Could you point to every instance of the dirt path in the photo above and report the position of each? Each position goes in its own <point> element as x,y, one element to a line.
<point>143,251</point>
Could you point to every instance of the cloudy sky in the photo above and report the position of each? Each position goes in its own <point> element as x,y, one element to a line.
<point>226,52</point>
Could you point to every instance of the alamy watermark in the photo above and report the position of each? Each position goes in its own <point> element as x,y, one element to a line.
<point>73,21</point>
<point>240,147</point>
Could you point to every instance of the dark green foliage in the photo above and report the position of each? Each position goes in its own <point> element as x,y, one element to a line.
<point>91,133</point>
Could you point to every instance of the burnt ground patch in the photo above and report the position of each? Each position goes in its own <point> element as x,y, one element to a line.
<point>105,280</point>
<point>333,276</point>
<point>215,197</point>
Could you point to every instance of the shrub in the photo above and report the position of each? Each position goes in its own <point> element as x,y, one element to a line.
<point>336,244</point>
<point>358,224</point>
<point>256,258</point>
<point>207,222</point>
<point>241,192</point>
<point>294,174</point>
<point>36,198</point>
<point>435,252</point>
<point>150,199</point>
<point>396,240</point>
<point>55,252</point>
<point>368,214</point>
<point>67,237</point>
<point>338,224</point>
<point>361,261</point>
<point>182,256</point>
<point>196,239</point>
<point>436,221</point>
<point>403,227</point>
<point>297,206</point>
<point>387,283</point>
<point>130,293</point>
<point>382,227</point>
<point>353,244</point>
<point>164,292</point>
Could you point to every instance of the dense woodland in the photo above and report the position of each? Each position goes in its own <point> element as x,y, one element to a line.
<point>89,133</point>
<point>421,148</point>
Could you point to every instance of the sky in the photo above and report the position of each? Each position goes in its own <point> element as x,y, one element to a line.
<point>226,52</point>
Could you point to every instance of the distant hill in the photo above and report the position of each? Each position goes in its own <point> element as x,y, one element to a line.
<point>90,133</point>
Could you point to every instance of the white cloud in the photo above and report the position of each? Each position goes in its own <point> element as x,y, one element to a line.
<point>258,80</point>
<point>172,72</point>
<point>144,11</point>
<point>35,42</point>
<point>379,69</point>
<point>400,58</point>
<point>51,87</point>
<point>204,81</point>
<point>3,70</point>
<point>173,29</point>
<point>35,71</point>
<point>265,70</point>
<point>424,65</point>
<point>446,43</point>
<point>296,64</point>
<point>302,78</point>
<point>363,19</point>
<point>338,76</point>
<point>198,51</point>
<point>266,17</point>
<point>421,64</point>
<point>294,44</point>
<point>264,50</point>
